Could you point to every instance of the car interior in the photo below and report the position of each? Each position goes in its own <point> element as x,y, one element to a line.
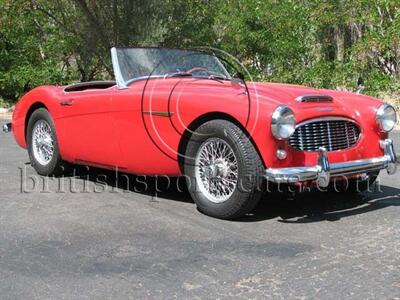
<point>92,85</point>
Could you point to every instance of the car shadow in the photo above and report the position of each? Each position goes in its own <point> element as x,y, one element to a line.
<point>315,206</point>
<point>307,207</point>
<point>161,186</point>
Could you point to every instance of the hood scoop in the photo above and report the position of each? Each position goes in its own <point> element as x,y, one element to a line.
<point>315,98</point>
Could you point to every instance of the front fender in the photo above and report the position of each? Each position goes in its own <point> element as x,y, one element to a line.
<point>192,100</point>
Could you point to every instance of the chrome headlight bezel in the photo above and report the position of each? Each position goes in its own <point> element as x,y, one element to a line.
<point>386,117</point>
<point>283,123</point>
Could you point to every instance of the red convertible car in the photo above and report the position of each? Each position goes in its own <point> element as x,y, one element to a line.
<point>179,112</point>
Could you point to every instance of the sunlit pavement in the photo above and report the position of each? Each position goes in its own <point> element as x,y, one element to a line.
<point>91,241</point>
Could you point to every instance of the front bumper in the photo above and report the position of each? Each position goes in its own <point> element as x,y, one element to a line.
<point>323,170</point>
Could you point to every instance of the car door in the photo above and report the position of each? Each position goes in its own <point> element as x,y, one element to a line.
<point>88,129</point>
<point>141,152</point>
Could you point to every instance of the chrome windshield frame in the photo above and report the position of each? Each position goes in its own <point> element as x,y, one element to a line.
<point>117,71</point>
<point>122,84</point>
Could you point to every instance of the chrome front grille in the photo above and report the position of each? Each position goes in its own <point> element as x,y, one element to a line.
<point>333,134</point>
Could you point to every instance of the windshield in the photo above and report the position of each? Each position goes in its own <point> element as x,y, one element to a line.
<point>137,63</point>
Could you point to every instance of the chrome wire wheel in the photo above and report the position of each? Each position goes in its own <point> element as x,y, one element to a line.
<point>216,170</point>
<point>42,142</point>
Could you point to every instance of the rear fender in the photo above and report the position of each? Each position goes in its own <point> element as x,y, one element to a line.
<point>44,96</point>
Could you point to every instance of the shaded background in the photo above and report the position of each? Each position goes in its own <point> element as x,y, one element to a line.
<point>318,43</point>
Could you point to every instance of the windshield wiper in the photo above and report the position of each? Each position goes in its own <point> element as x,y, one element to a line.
<point>219,77</point>
<point>179,74</point>
<point>212,76</point>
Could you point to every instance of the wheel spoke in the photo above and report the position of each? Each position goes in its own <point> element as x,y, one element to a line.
<point>42,142</point>
<point>216,170</point>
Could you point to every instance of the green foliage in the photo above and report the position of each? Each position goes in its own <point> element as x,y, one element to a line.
<point>31,50</point>
<point>326,44</point>
<point>190,23</point>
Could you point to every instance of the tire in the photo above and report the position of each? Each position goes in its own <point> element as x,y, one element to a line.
<point>354,186</point>
<point>245,163</point>
<point>44,164</point>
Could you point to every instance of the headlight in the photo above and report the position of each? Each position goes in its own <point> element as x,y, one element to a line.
<point>386,117</point>
<point>283,123</point>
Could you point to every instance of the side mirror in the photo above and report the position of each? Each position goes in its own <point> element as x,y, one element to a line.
<point>360,86</point>
<point>238,79</point>
<point>240,76</point>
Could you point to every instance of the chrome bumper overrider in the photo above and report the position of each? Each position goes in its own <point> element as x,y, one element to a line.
<point>323,170</point>
<point>7,127</point>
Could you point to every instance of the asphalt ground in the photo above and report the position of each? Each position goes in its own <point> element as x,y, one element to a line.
<point>73,238</point>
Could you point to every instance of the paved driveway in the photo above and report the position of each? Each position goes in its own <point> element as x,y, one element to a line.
<point>76,239</point>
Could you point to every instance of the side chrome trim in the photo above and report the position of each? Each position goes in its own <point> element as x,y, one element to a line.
<point>117,70</point>
<point>323,170</point>
<point>159,113</point>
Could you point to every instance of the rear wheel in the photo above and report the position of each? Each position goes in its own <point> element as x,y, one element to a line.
<point>224,171</point>
<point>42,143</point>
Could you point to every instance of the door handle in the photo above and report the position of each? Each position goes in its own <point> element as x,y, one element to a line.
<point>67,102</point>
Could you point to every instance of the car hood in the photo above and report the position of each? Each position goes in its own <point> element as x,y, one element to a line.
<point>345,104</point>
<point>287,94</point>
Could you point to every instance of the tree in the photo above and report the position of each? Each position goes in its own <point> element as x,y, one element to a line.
<point>320,43</point>
<point>31,50</point>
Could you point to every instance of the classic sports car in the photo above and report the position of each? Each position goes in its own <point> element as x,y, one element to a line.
<point>174,112</point>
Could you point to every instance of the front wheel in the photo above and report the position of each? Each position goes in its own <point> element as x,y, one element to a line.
<point>42,143</point>
<point>223,170</point>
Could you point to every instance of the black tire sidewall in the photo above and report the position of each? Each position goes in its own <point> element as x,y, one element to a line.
<point>248,189</point>
<point>54,166</point>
